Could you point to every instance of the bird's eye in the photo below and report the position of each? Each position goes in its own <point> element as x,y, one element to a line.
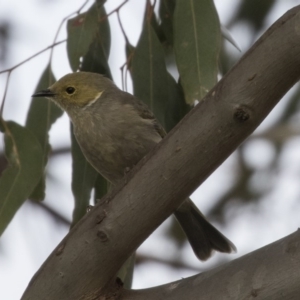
<point>70,90</point>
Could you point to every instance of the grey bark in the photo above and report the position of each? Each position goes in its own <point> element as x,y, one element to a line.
<point>84,264</point>
<point>270,273</point>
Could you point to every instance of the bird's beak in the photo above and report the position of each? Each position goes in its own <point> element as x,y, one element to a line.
<point>44,93</point>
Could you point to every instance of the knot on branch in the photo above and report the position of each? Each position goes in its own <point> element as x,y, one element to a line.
<point>102,236</point>
<point>241,113</point>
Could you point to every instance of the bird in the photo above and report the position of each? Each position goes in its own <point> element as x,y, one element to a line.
<point>115,130</point>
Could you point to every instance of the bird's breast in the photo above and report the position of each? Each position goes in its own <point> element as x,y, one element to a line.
<point>113,148</point>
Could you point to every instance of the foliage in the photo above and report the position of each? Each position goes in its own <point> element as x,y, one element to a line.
<point>88,46</point>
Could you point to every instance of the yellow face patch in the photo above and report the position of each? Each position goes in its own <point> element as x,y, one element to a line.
<point>80,89</point>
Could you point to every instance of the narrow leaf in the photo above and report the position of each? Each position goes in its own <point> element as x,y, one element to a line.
<point>101,187</point>
<point>25,157</point>
<point>177,108</point>
<point>83,180</point>
<point>148,71</point>
<point>166,11</point>
<point>197,41</point>
<point>41,115</point>
<point>253,12</point>
<point>88,46</point>
<point>88,41</point>
<point>228,36</point>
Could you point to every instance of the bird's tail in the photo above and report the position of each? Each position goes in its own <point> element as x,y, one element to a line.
<point>203,237</point>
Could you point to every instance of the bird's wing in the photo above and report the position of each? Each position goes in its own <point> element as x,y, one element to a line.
<point>146,113</point>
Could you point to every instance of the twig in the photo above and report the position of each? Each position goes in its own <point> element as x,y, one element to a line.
<point>122,28</point>
<point>31,57</point>
<point>116,10</point>
<point>9,71</point>
<point>56,215</point>
<point>61,24</point>
<point>142,258</point>
<point>124,77</point>
<point>5,92</point>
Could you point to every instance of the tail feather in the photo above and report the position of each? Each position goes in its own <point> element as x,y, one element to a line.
<point>203,237</point>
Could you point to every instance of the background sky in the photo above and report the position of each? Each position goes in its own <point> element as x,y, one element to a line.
<point>33,233</point>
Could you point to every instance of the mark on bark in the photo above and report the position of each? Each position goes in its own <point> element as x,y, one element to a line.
<point>251,77</point>
<point>100,217</point>
<point>241,114</point>
<point>60,249</point>
<point>292,248</point>
<point>178,149</point>
<point>102,236</point>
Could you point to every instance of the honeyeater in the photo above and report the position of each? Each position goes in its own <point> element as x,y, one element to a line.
<point>115,130</point>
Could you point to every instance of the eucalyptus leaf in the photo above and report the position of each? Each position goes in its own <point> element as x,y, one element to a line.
<point>88,46</point>
<point>254,12</point>
<point>101,187</point>
<point>228,36</point>
<point>197,42</point>
<point>41,115</point>
<point>177,108</point>
<point>166,11</point>
<point>25,157</point>
<point>83,180</point>
<point>149,73</point>
<point>88,40</point>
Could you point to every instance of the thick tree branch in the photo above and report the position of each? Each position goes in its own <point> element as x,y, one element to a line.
<point>84,264</point>
<point>270,273</point>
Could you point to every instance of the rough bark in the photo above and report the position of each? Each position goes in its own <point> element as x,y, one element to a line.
<point>84,264</point>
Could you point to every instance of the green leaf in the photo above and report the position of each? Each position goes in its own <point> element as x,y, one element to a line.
<point>101,187</point>
<point>166,11</point>
<point>41,115</point>
<point>88,41</point>
<point>88,46</point>
<point>253,12</point>
<point>197,41</point>
<point>177,108</point>
<point>25,157</point>
<point>83,180</point>
<point>148,71</point>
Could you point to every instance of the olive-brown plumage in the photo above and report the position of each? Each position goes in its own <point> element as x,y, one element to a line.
<point>115,130</point>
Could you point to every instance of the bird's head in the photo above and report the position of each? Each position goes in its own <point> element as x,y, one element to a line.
<point>77,90</point>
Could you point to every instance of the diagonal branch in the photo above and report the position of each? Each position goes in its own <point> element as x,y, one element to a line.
<point>85,263</point>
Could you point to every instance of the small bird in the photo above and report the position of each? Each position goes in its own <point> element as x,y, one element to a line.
<point>115,130</point>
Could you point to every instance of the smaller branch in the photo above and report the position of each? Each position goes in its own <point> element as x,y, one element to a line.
<point>61,24</point>
<point>116,10</point>
<point>125,65</point>
<point>271,272</point>
<point>154,4</point>
<point>140,258</point>
<point>4,94</point>
<point>149,9</point>
<point>53,153</point>
<point>53,213</point>
<point>31,57</point>
<point>176,264</point>
<point>9,71</point>
<point>122,28</point>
